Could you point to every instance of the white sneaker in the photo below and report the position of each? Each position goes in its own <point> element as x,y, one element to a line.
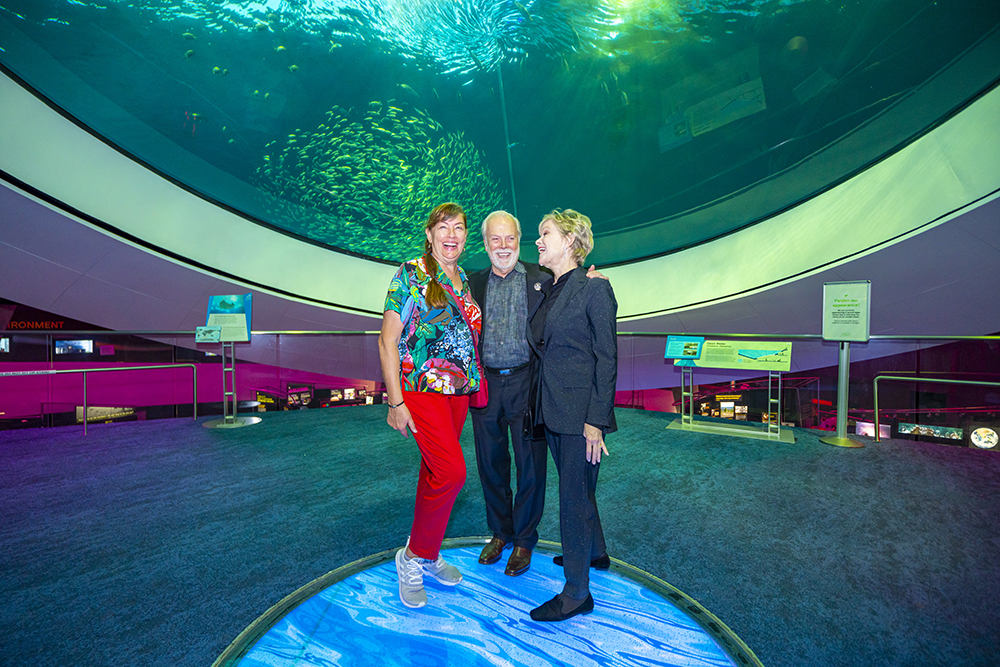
<point>411,580</point>
<point>444,572</point>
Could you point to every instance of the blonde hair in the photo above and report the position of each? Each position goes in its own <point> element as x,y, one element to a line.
<point>499,214</point>
<point>574,225</point>
<point>436,296</point>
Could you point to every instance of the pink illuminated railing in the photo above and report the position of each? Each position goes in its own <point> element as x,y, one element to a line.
<point>84,371</point>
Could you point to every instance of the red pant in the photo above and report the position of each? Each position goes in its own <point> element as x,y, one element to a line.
<point>439,421</point>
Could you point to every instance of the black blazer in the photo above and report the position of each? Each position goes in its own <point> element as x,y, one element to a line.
<point>579,366</point>
<point>537,283</point>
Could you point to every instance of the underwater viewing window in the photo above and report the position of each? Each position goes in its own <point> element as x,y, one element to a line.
<point>343,122</point>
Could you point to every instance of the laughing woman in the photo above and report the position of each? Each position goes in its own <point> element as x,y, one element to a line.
<point>576,400</point>
<point>428,353</point>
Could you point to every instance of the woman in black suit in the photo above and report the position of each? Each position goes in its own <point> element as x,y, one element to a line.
<point>576,400</point>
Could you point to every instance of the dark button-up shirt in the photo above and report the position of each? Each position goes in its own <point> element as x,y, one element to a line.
<point>505,342</point>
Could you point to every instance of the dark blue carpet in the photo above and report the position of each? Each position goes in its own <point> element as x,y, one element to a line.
<point>156,543</point>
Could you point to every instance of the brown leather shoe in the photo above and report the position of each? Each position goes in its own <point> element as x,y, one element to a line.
<point>519,562</point>
<point>492,551</point>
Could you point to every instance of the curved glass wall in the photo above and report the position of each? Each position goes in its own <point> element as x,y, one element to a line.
<point>345,121</point>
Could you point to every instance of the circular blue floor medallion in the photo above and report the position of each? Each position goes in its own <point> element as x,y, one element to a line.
<point>353,616</point>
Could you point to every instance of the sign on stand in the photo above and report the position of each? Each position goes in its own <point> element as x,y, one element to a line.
<point>690,352</point>
<point>228,322</point>
<point>846,317</point>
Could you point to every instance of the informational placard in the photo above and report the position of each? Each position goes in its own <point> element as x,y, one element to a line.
<point>208,334</point>
<point>230,312</point>
<point>683,347</point>
<point>742,355</point>
<point>846,311</point>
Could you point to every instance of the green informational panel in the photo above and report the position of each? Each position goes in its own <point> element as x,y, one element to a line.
<point>743,355</point>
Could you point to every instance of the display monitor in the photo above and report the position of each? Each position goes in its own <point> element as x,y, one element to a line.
<point>984,436</point>
<point>74,346</point>
<point>103,414</point>
<point>4,344</point>
<point>868,429</point>
<point>930,432</point>
<point>299,395</point>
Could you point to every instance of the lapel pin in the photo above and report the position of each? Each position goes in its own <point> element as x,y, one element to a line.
<point>538,287</point>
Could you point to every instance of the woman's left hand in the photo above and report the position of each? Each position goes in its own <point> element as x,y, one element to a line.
<point>595,443</point>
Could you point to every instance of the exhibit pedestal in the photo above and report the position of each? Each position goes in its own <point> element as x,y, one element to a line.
<point>773,427</point>
<point>738,430</point>
<point>229,418</point>
<point>843,382</point>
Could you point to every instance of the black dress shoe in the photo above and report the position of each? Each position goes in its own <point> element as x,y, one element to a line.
<point>492,551</point>
<point>519,562</point>
<point>599,563</point>
<point>552,610</point>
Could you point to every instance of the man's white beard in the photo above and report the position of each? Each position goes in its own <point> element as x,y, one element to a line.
<point>498,262</point>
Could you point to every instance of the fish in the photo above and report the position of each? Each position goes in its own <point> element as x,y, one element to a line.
<point>293,68</point>
<point>189,53</point>
<point>189,36</point>
<point>477,61</point>
<point>523,11</point>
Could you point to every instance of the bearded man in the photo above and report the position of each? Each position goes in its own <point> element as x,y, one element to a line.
<point>509,292</point>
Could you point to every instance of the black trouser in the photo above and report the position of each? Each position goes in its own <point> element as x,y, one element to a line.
<point>511,518</point>
<point>579,523</point>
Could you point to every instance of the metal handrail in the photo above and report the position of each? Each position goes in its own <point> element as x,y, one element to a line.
<point>194,380</point>
<point>167,334</point>
<point>784,336</point>
<point>917,379</point>
<point>651,334</point>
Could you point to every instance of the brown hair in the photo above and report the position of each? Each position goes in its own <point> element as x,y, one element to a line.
<point>436,296</point>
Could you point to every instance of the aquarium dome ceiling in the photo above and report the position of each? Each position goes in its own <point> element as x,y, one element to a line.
<point>343,122</point>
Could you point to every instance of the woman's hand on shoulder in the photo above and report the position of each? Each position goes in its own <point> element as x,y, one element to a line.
<point>400,419</point>
<point>595,443</point>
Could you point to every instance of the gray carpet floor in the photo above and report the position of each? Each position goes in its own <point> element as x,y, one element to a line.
<point>157,543</point>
